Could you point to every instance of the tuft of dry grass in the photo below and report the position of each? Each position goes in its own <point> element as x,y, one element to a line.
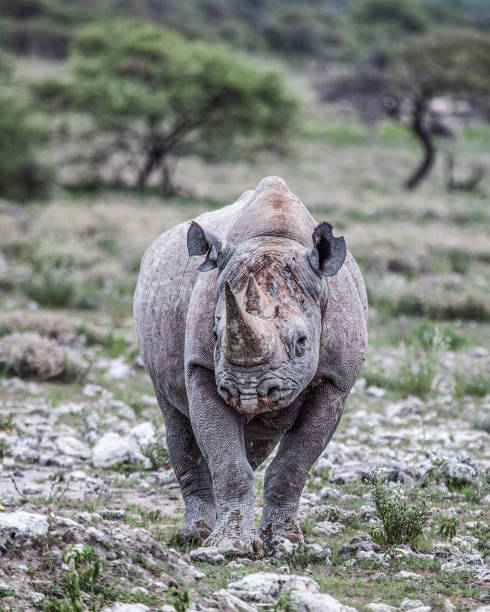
<point>29,355</point>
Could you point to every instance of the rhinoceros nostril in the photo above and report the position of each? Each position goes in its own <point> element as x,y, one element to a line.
<point>269,388</point>
<point>227,391</point>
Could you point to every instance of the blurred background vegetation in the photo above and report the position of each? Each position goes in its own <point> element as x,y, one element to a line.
<point>120,118</point>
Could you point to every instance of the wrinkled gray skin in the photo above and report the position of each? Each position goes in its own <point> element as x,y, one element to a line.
<point>260,347</point>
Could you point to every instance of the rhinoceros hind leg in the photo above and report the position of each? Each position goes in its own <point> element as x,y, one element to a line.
<point>192,474</point>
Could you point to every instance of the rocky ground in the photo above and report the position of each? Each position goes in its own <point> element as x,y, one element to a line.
<point>90,506</point>
<point>396,511</point>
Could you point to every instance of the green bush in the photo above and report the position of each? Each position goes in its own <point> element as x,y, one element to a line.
<point>147,89</point>
<point>483,424</point>
<point>416,373</point>
<point>51,286</point>
<point>22,176</point>
<point>429,335</point>
<point>477,385</point>
<point>402,516</point>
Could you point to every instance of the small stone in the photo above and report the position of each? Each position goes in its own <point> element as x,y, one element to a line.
<point>17,526</point>
<point>73,447</point>
<point>379,576</point>
<point>376,392</point>
<point>329,493</point>
<point>414,604</point>
<point>124,607</point>
<point>207,554</point>
<point>110,450</point>
<point>379,607</point>
<point>327,528</point>
<point>118,369</point>
<point>366,512</point>
<point>404,575</point>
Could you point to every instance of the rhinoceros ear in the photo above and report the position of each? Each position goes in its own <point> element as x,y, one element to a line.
<point>201,241</point>
<point>328,253</point>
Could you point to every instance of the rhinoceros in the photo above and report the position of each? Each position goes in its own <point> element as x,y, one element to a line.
<point>256,344</point>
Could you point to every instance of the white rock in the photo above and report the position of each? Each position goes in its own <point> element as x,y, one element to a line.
<point>376,392</point>
<point>110,450</point>
<point>366,512</point>
<point>329,493</point>
<point>118,368</point>
<point>414,604</point>
<point>404,575</point>
<point>328,528</point>
<point>232,603</point>
<point>306,601</point>
<point>207,554</point>
<point>124,607</point>
<point>379,607</point>
<point>144,433</point>
<point>16,526</point>
<point>482,609</point>
<point>264,587</point>
<point>73,447</point>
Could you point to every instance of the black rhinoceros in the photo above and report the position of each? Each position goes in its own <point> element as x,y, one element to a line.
<point>257,343</point>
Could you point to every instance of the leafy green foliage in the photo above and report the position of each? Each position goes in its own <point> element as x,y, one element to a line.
<point>402,516</point>
<point>180,599</point>
<point>148,90</point>
<point>283,602</point>
<point>475,384</point>
<point>429,335</point>
<point>447,527</point>
<point>50,286</point>
<point>21,131</point>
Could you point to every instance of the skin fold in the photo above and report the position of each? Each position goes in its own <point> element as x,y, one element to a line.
<point>251,322</point>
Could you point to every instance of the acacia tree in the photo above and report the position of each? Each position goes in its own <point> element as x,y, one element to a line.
<point>154,96</point>
<point>402,80</point>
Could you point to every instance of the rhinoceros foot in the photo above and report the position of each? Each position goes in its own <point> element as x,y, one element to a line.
<point>194,533</point>
<point>287,528</point>
<point>233,539</point>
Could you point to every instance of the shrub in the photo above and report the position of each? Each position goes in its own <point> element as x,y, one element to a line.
<point>402,517</point>
<point>448,526</point>
<point>28,355</point>
<point>416,374</point>
<point>471,384</point>
<point>429,336</point>
<point>51,286</point>
<point>483,424</point>
<point>22,176</point>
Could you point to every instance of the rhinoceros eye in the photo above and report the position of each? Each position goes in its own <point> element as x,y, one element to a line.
<point>301,342</point>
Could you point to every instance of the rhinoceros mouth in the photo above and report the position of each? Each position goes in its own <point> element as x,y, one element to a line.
<point>254,403</point>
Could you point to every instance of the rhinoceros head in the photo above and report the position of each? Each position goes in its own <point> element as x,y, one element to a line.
<point>271,294</point>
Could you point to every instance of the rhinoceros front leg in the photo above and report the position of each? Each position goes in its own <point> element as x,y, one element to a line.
<point>192,473</point>
<point>219,432</point>
<point>300,447</point>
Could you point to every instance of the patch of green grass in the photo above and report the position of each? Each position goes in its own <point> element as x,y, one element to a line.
<point>51,287</point>
<point>460,261</point>
<point>179,598</point>
<point>402,516</point>
<point>339,134</point>
<point>483,424</point>
<point>157,453</point>
<point>477,385</point>
<point>415,374</point>
<point>429,335</point>
<point>299,558</point>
